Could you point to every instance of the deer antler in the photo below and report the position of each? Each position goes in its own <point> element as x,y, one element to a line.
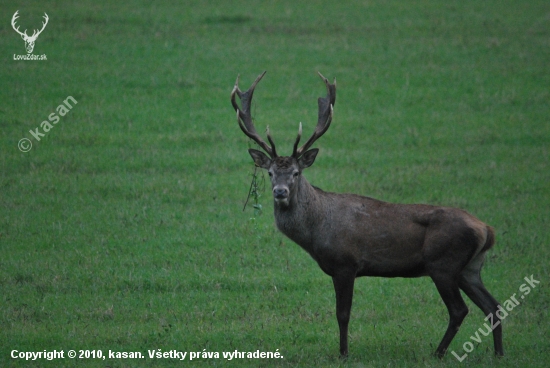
<point>13,20</point>
<point>244,117</point>
<point>35,32</point>
<point>326,106</point>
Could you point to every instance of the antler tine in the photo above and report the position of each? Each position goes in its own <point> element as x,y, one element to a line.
<point>295,149</point>
<point>235,90</point>
<point>326,106</point>
<point>13,20</point>
<point>43,24</point>
<point>273,151</point>
<point>244,117</point>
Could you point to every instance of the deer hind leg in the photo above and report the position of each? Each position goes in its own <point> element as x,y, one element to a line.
<point>470,282</point>
<point>450,293</point>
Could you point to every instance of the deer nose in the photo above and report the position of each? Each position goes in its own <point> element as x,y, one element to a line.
<point>280,193</point>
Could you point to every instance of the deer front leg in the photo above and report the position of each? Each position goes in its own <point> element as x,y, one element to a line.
<point>343,286</point>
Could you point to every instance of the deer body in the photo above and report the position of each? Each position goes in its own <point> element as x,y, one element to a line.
<point>374,238</point>
<point>351,235</point>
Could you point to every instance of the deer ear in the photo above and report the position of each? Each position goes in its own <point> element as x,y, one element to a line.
<point>260,158</point>
<point>308,158</point>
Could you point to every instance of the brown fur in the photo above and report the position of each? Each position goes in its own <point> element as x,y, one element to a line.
<point>351,236</point>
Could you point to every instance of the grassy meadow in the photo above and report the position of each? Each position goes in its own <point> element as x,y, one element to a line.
<point>122,229</point>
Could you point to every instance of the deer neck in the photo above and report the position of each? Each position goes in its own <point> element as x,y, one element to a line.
<point>303,214</point>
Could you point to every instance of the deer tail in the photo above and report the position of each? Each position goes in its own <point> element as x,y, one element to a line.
<point>490,241</point>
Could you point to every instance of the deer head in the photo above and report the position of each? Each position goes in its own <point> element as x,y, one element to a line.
<point>284,171</point>
<point>29,40</point>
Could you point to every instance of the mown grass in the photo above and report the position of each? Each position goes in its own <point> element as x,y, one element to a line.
<point>122,228</point>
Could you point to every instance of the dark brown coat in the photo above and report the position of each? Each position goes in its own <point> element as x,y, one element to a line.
<point>351,236</point>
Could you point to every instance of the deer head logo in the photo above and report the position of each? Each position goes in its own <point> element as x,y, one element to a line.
<point>29,40</point>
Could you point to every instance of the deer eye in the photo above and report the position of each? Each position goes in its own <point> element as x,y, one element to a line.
<point>296,173</point>
<point>270,174</point>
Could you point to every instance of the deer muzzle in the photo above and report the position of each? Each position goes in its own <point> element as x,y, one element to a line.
<point>280,194</point>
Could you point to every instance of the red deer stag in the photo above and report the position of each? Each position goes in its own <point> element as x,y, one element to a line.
<point>351,236</point>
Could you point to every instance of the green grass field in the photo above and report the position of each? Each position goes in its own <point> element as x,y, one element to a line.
<point>122,229</point>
